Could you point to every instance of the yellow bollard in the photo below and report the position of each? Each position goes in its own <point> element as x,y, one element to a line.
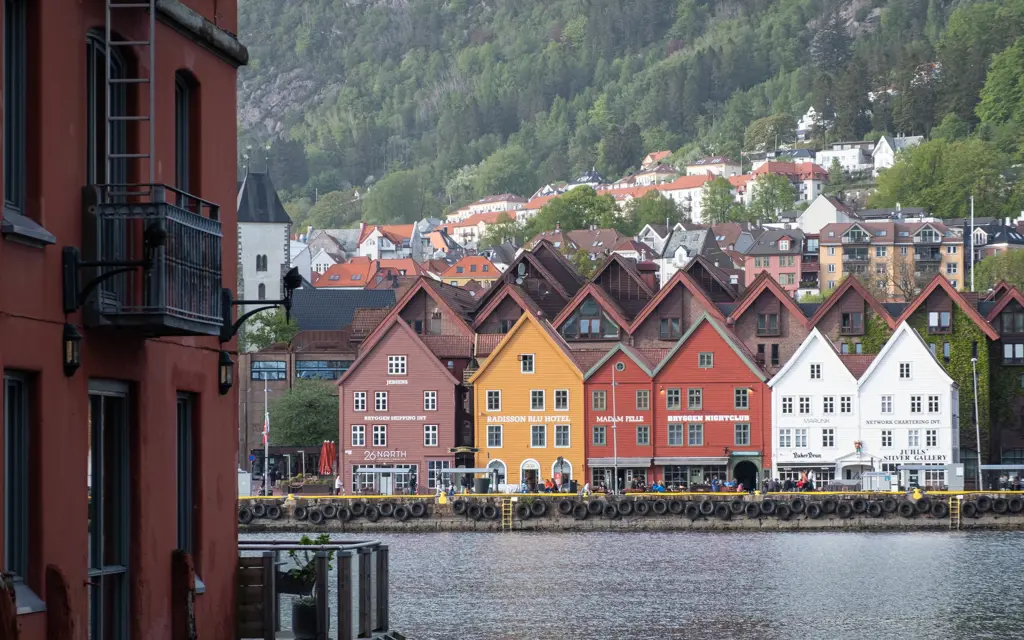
<point>443,499</point>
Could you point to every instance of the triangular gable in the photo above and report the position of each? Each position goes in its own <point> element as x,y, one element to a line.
<point>811,338</point>
<point>379,335</point>
<point>915,337</point>
<point>550,334</point>
<point>687,281</point>
<point>629,351</point>
<point>603,300</point>
<point>1011,294</point>
<point>713,271</point>
<point>505,290</point>
<point>509,276</point>
<point>764,282</point>
<point>1000,289</point>
<point>857,225</point>
<point>544,246</point>
<point>628,265</point>
<point>733,343</point>
<point>940,282</point>
<point>844,287</point>
<point>421,285</point>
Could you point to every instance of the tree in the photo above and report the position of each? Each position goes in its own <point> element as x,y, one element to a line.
<point>507,170</point>
<point>1007,266</point>
<point>620,149</point>
<point>852,104</point>
<point>941,176</point>
<point>267,328</point>
<point>577,209</point>
<point>400,196</point>
<point>580,259</point>
<point>651,208</point>
<point>334,210</point>
<point>718,203</point>
<point>769,132</point>
<point>830,46</point>
<point>507,229</point>
<point>460,187</point>
<point>951,128</point>
<point>306,415</point>
<point>772,194</point>
<point>836,173</point>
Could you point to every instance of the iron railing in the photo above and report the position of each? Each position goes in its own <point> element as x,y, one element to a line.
<point>179,293</point>
<point>351,590</point>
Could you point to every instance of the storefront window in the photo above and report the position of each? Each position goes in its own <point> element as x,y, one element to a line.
<point>321,369</point>
<point>269,370</point>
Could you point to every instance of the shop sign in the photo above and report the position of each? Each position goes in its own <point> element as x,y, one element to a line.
<point>619,419</point>
<point>916,455</point>
<point>380,419</point>
<point>385,455</point>
<point>913,422</point>
<point>808,454</point>
<point>824,421</point>
<point>537,419</point>
<point>399,381</point>
<point>710,417</point>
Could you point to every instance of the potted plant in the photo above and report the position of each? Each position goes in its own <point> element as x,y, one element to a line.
<point>301,580</point>
<point>304,618</point>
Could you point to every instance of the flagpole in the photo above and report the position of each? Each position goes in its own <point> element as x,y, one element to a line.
<point>266,441</point>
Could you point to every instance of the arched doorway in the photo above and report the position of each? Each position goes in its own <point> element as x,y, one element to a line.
<point>497,468</point>
<point>746,474</point>
<point>561,471</point>
<point>529,474</point>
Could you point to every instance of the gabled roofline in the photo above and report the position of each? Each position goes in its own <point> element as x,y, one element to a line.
<point>599,294</point>
<point>505,290</point>
<point>379,334</point>
<point>712,269</point>
<point>1001,285</point>
<point>1011,294</point>
<point>552,336</point>
<point>421,285</point>
<point>852,283</point>
<point>544,242</point>
<point>762,282</point>
<point>724,333</point>
<point>629,351</point>
<point>813,336</point>
<point>535,263</point>
<point>625,264</point>
<point>904,327</point>
<point>940,282</point>
<point>679,277</point>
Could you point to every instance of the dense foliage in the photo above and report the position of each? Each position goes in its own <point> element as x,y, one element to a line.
<point>306,415</point>
<point>411,107</point>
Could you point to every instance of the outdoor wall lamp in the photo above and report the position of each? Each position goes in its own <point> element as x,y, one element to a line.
<point>74,294</point>
<point>292,281</point>
<point>72,349</point>
<point>226,373</point>
<point>725,450</point>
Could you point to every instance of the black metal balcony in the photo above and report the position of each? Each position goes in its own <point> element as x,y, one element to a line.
<point>177,291</point>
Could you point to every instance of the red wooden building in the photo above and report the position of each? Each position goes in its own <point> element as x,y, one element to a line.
<point>397,414</point>
<point>618,396</point>
<point>118,446</point>
<point>712,411</point>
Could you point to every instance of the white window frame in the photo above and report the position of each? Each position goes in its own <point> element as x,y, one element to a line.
<point>800,438</point>
<point>523,359</point>
<point>736,434</point>
<point>886,438</point>
<point>933,401</point>
<point>430,401</point>
<point>495,429</point>
<point>706,360</point>
<point>380,401</point>
<point>380,435</point>
<point>647,400</point>
<point>565,395</point>
<point>931,437</point>
<point>543,400</point>
<point>828,438</point>
<point>359,401</point>
<point>815,371</point>
<point>886,404</point>
<point>785,438</point>
<point>360,430</point>
<point>916,405</point>
<point>430,435</point>
<point>828,405</point>
<point>805,402</point>
<point>692,429</point>
<point>845,405</point>
<point>905,367</point>
<point>543,433</point>
<point>914,438</point>
<point>488,397</point>
<point>561,429</point>
<point>397,365</point>
<point>691,393</point>
<point>787,405</point>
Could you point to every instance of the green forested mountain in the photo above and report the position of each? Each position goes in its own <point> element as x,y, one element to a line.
<point>432,103</point>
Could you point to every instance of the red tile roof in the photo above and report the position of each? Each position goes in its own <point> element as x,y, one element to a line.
<point>857,363</point>
<point>802,170</point>
<point>467,265</point>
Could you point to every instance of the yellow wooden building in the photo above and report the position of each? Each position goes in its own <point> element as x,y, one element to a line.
<point>529,407</point>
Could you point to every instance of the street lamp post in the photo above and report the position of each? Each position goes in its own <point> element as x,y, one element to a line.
<point>615,437</point>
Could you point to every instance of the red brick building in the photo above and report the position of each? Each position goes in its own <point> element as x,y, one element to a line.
<point>397,410</point>
<point>139,423</point>
<point>712,409</point>
<point>619,417</point>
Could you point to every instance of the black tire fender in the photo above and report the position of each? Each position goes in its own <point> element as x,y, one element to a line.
<point>538,508</point>
<point>459,507</point>
<point>565,506</point>
<point>1015,505</point>
<point>580,511</point>
<point>875,509</point>
<point>814,510</point>
<point>259,510</point>
<point>737,506</point>
<point>244,515</point>
<point>828,505</point>
<point>624,507</point>
<point>969,510</point>
<point>490,512</point>
<point>1000,506</point>
<point>752,510</point>
<point>660,507</point>
<point>984,504</point>
<point>523,511</point>
<point>301,513</point>
<point>797,505</point>
<point>723,511</point>
<point>475,512</point>
<point>860,505</point>
<point>274,512</point>
<point>940,510</point>
<point>767,507</point>
<point>417,509</point>
<point>641,507</point>
<point>844,509</point>
<point>707,507</point>
<point>889,505</point>
<point>609,511</point>
<point>386,509</point>
<point>344,514</point>
<point>401,513</point>
<point>675,507</point>
<point>330,511</point>
<point>924,505</point>
<point>783,512</point>
<point>316,516</point>
<point>907,510</point>
<point>371,513</point>
<point>595,507</point>
<point>357,508</point>
<point>691,510</point>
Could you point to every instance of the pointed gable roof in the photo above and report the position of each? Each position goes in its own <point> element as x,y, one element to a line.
<point>812,337</point>
<point>905,329</point>
<point>764,282</point>
<point>510,274</point>
<point>559,345</point>
<point>379,335</point>
<point>1011,294</point>
<point>940,282</point>
<point>633,355</point>
<point>1000,289</point>
<point>557,265</point>
<point>720,276</point>
<point>506,290</point>
<point>685,280</point>
<point>627,265</point>
<point>609,305</point>
<point>845,286</point>
<point>726,335</point>
<point>447,296</point>
<point>257,201</point>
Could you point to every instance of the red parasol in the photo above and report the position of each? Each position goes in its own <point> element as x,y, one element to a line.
<point>324,468</point>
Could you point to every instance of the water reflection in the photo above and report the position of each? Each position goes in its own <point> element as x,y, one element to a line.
<point>491,586</point>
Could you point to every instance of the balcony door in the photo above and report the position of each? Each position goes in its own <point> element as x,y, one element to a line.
<point>108,510</point>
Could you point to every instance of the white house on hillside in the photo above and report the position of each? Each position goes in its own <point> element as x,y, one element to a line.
<point>853,157</point>
<point>910,409</point>
<point>264,242</point>
<point>815,414</point>
<point>884,154</point>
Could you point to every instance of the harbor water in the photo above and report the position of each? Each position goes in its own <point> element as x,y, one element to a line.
<point>497,586</point>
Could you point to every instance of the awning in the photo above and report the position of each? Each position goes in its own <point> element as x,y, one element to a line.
<point>692,461</point>
<point>803,464</point>
<point>622,462</point>
<point>461,470</point>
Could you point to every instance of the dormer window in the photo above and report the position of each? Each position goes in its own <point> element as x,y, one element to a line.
<point>767,324</point>
<point>784,244</point>
<point>927,235</point>
<point>590,323</point>
<point>1012,322</point>
<point>852,324</point>
<point>940,321</point>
